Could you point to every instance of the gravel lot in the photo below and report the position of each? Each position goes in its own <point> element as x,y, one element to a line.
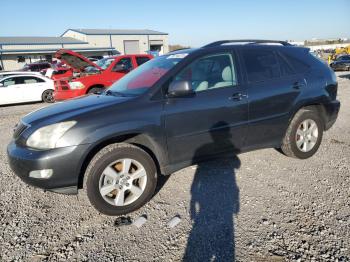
<point>261,206</point>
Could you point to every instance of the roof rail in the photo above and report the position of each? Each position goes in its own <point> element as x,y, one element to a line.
<point>248,41</point>
<point>178,50</point>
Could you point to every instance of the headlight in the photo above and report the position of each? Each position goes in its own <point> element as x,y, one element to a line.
<point>76,85</point>
<point>48,136</point>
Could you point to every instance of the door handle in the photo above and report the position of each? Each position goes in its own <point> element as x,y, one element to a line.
<point>238,96</point>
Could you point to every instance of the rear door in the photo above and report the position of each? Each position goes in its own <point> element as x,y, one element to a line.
<point>213,120</point>
<point>32,88</point>
<point>273,88</point>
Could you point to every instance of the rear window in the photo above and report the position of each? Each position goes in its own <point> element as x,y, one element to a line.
<point>31,80</point>
<point>261,65</point>
<point>141,60</point>
<point>297,60</point>
<point>285,66</point>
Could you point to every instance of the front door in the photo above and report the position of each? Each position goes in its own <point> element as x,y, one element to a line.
<point>10,91</point>
<point>214,119</point>
<point>116,73</point>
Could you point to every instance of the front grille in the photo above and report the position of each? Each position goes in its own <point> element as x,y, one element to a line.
<point>19,129</point>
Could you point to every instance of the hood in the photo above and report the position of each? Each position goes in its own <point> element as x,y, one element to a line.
<point>75,60</point>
<point>71,109</point>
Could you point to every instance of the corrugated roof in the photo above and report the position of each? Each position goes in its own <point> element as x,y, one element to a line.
<point>118,32</point>
<point>38,40</point>
<point>47,50</point>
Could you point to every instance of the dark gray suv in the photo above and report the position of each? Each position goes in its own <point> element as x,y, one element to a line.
<point>174,111</point>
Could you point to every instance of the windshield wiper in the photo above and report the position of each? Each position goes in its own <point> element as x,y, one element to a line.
<point>115,93</point>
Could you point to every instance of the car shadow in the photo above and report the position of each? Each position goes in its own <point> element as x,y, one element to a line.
<point>347,76</point>
<point>214,202</point>
<point>23,104</point>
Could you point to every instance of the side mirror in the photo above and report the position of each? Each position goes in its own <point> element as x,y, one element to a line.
<point>120,69</point>
<point>180,88</point>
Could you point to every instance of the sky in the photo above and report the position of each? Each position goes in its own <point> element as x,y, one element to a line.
<point>188,22</point>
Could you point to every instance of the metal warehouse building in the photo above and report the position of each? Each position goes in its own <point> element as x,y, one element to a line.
<point>15,52</point>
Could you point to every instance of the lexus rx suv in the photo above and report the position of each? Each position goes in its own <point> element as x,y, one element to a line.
<point>174,111</point>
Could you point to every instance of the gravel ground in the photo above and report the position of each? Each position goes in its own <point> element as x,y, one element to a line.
<point>261,206</point>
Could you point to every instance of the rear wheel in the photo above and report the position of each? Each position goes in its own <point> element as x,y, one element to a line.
<point>120,179</point>
<point>47,96</point>
<point>304,134</point>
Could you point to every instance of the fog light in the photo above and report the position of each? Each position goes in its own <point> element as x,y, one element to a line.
<point>44,173</point>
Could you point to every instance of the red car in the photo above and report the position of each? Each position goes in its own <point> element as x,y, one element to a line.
<point>62,72</point>
<point>93,77</point>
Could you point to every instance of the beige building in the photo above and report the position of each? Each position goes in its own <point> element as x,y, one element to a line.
<point>15,52</point>
<point>124,41</point>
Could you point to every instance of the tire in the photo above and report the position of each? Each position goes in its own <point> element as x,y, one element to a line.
<point>96,179</point>
<point>47,96</point>
<point>95,90</point>
<point>293,145</point>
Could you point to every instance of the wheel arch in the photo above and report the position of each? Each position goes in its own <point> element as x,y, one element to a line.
<point>94,86</point>
<point>138,139</point>
<point>317,106</point>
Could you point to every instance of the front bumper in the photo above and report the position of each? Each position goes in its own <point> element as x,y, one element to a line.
<point>60,95</point>
<point>332,110</point>
<point>65,162</point>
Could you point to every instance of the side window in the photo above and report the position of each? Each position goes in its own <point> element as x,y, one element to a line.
<point>141,60</point>
<point>32,80</point>
<point>126,62</point>
<point>261,65</point>
<point>11,81</point>
<point>209,72</point>
<point>298,65</point>
<point>286,68</point>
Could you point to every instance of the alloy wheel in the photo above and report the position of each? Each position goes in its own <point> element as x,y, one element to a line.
<point>306,135</point>
<point>122,182</point>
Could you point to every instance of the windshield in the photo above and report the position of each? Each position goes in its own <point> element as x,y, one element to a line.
<point>145,76</point>
<point>104,62</point>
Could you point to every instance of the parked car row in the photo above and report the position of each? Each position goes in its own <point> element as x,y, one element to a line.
<point>74,76</point>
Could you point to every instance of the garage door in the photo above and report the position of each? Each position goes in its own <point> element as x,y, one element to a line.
<point>131,47</point>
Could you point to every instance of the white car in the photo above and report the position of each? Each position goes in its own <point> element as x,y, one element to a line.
<point>26,88</point>
<point>11,73</point>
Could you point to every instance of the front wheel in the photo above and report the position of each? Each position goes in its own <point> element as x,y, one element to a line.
<point>120,179</point>
<point>47,96</point>
<point>304,134</point>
